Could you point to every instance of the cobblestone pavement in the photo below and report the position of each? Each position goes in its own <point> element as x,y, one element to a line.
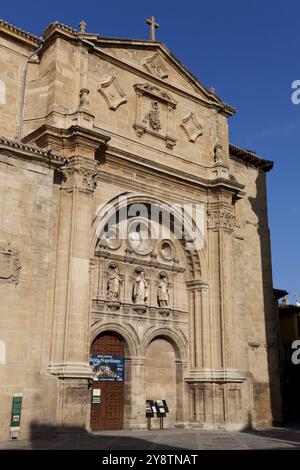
<point>193,439</point>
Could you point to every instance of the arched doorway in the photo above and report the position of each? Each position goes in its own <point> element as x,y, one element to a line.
<point>108,361</point>
<point>160,377</point>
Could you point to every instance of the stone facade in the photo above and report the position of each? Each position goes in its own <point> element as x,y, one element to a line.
<point>89,121</point>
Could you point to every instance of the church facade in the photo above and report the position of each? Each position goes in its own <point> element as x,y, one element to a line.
<point>135,260</point>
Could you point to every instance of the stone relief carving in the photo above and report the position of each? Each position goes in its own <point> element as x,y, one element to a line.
<point>155,66</point>
<point>77,176</point>
<point>154,108</point>
<point>10,264</point>
<point>221,218</point>
<point>163,291</point>
<point>192,127</point>
<point>112,92</point>
<point>140,289</point>
<point>152,118</point>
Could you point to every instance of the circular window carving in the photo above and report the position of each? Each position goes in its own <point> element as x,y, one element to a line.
<point>140,236</point>
<point>111,239</point>
<point>167,250</point>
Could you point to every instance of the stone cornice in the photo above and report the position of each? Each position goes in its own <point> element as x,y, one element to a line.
<point>114,154</point>
<point>69,140</point>
<point>20,35</point>
<point>200,377</point>
<point>250,158</point>
<point>30,151</point>
<point>57,26</point>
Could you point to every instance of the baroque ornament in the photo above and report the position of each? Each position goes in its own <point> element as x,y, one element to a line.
<point>10,265</point>
<point>155,66</point>
<point>192,127</point>
<point>152,118</point>
<point>112,92</point>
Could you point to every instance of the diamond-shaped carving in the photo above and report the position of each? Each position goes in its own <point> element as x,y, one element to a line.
<point>156,67</point>
<point>192,127</point>
<point>112,92</point>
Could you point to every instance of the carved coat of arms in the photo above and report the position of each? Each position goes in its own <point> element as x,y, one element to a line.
<point>9,264</point>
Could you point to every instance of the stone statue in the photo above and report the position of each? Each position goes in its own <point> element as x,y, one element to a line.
<point>114,283</point>
<point>84,99</point>
<point>140,289</point>
<point>162,292</point>
<point>218,154</point>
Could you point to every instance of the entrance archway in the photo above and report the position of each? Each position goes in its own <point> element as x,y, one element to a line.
<point>160,377</point>
<point>108,361</point>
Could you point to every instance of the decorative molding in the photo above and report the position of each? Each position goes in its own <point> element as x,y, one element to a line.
<point>155,66</point>
<point>68,370</point>
<point>140,309</point>
<point>192,127</point>
<point>75,139</point>
<point>10,264</point>
<point>112,92</point>
<point>155,92</point>
<point>197,284</point>
<point>210,375</point>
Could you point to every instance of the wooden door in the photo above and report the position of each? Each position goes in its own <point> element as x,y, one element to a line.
<point>109,414</point>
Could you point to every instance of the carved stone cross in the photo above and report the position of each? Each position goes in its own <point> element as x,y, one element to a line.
<point>153,27</point>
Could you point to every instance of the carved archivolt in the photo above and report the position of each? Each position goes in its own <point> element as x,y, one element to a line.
<point>10,264</point>
<point>112,92</point>
<point>155,66</point>
<point>192,127</point>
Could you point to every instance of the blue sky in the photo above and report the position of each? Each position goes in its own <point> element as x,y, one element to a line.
<point>249,51</point>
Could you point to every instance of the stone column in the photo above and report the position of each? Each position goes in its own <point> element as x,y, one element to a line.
<point>70,341</point>
<point>221,220</point>
<point>137,394</point>
<point>200,324</point>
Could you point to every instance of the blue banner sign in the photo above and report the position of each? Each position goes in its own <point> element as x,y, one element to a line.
<point>108,368</point>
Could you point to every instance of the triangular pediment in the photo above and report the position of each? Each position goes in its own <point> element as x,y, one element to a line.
<point>156,61</point>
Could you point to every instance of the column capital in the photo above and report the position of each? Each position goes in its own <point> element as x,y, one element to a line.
<point>80,173</point>
<point>197,284</point>
<point>221,217</point>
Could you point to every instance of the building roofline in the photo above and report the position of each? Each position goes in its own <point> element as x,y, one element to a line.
<point>96,40</point>
<point>280,293</point>
<point>250,158</point>
<point>19,34</point>
<point>46,155</point>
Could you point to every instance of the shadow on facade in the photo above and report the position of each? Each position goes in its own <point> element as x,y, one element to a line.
<point>47,436</point>
<point>270,309</point>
